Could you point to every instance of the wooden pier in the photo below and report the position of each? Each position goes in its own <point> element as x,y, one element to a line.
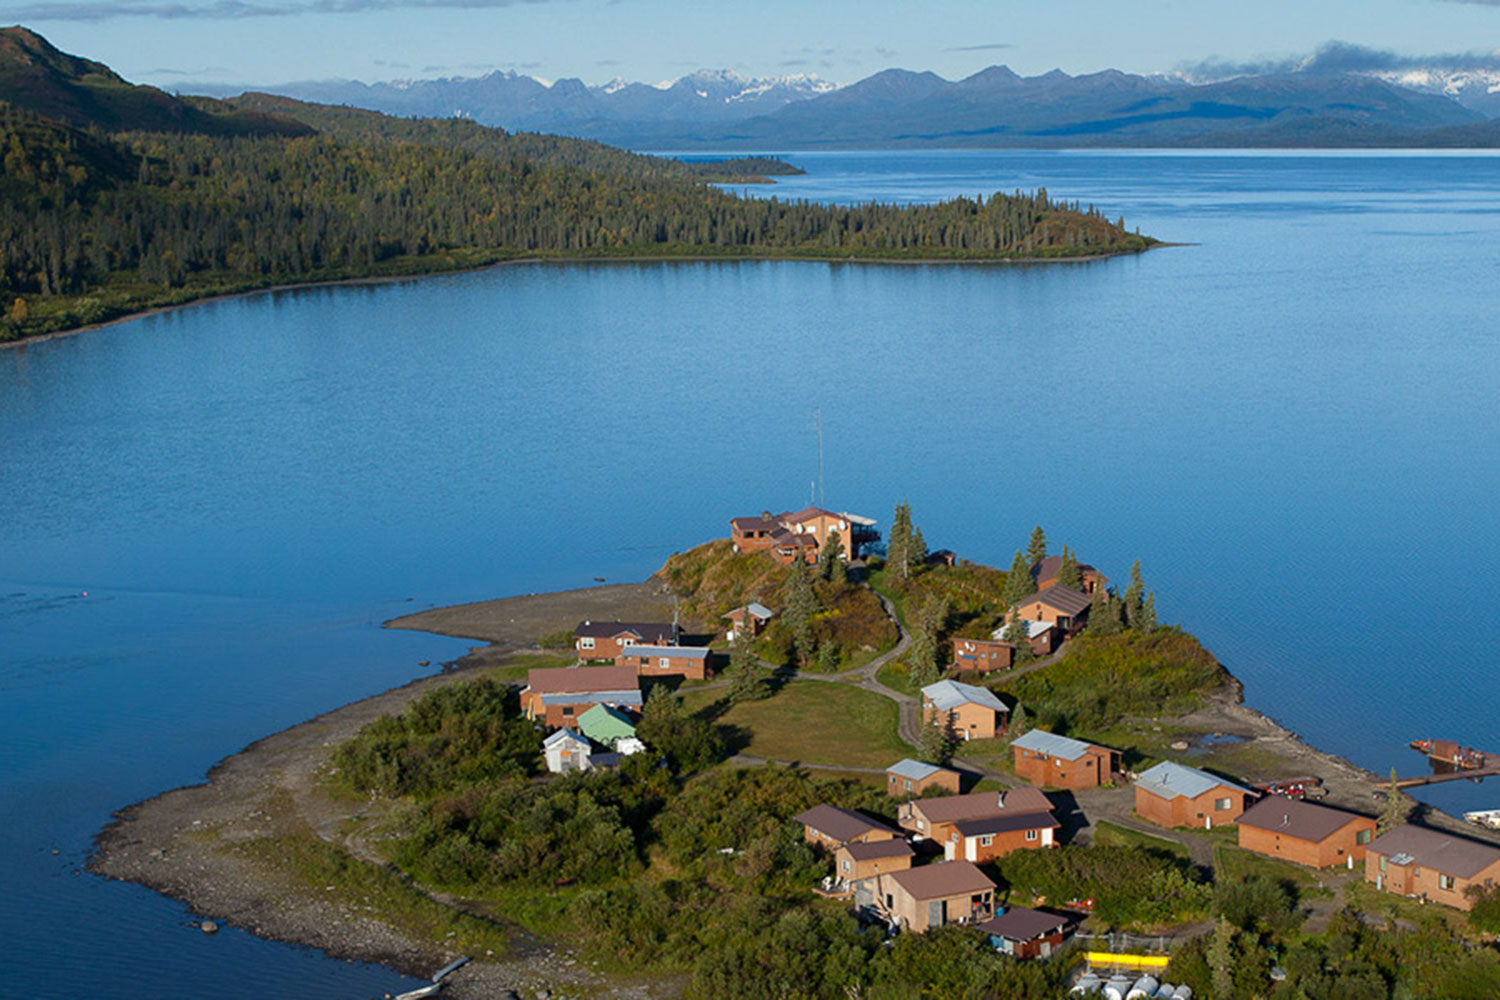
<point>1465,763</point>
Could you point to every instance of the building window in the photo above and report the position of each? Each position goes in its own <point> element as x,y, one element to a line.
<point>846,865</point>
<point>1446,882</point>
<point>1382,862</point>
<point>664,662</point>
<point>1222,805</point>
<point>567,710</point>
<point>908,784</point>
<point>1031,834</point>
<point>1364,836</point>
<point>587,642</point>
<point>627,642</point>
<point>986,841</point>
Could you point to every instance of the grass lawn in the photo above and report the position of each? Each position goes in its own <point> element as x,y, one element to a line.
<point>1234,864</point>
<point>1107,834</point>
<point>894,675</point>
<point>819,722</point>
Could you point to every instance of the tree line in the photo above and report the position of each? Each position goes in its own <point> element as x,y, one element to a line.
<point>93,225</point>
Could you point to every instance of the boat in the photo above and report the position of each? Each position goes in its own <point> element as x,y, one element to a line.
<point>430,990</point>
<point>450,968</point>
<point>1484,817</point>
<point>1449,752</point>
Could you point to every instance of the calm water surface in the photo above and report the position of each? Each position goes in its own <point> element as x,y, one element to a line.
<point>1292,422</point>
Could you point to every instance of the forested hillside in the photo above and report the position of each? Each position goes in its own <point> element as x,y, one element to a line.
<point>98,225</point>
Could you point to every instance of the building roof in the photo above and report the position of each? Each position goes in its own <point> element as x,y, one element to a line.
<point>808,513</point>
<point>629,696</point>
<point>839,824</point>
<point>663,632</point>
<point>573,680</point>
<point>605,724</point>
<point>916,770</point>
<point>1018,923</point>
<point>1169,779</point>
<point>875,850</point>
<point>977,805</point>
<point>562,736</point>
<point>1451,855</point>
<point>1051,744</point>
<point>946,878</point>
<point>949,695</point>
<point>1047,568</point>
<point>1294,818</point>
<point>1064,599</point>
<point>1033,629</point>
<point>755,608</point>
<point>1007,822</point>
<point>752,523</point>
<point>681,652</point>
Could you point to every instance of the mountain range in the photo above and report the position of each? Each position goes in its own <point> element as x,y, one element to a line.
<point>992,108</point>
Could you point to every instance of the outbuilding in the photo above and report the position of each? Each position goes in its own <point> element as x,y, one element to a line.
<point>907,778</point>
<point>976,713</point>
<point>1027,933</point>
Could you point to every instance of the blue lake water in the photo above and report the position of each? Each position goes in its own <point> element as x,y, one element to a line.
<point>1294,423</point>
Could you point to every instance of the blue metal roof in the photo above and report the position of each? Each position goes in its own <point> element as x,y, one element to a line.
<point>1041,741</point>
<point>1169,780</point>
<point>916,770</point>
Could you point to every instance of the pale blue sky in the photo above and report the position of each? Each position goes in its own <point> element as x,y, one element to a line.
<point>172,42</point>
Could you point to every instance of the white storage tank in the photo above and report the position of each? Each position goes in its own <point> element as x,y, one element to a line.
<point>1088,983</point>
<point>1184,992</point>
<point>1144,989</point>
<point>1165,991</point>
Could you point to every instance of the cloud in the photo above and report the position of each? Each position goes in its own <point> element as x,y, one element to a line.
<point>224,10</point>
<point>989,47</point>
<point>1344,57</point>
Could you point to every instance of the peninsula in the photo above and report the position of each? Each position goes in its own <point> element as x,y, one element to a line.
<point>118,199</point>
<point>740,776</point>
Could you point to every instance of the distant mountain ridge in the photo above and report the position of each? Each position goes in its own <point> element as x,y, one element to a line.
<point>37,77</point>
<point>995,107</point>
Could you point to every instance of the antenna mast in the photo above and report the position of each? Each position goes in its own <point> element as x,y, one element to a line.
<point>818,419</point>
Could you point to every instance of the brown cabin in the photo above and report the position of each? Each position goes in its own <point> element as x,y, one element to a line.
<point>694,663</point>
<point>1044,574</point>
<point>918,899</point>
<point>934,818</point>
<point>1305,833</point>
<point>1171,794</point>
<point>911,778</point>
<point>558,696</point>
<point>604,640</point>
<point>831,827</point>
<point>1430,864</point>
<point>1062,606</point>
<point>852,862</point>
<point>1053,761</point>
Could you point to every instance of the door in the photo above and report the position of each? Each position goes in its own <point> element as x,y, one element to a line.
<point>937,912</point>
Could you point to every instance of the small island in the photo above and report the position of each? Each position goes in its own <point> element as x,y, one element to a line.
<point>120,199</point>
<point>804,761</point>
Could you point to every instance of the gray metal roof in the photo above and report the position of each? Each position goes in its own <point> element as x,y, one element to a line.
<point>916,770</point>
<point>684,652</point>
<point>1033,629</point>
<point>949,695</point>
<point>1041,741</point>
<point>564,736</point>
<point>594,697</point>
<point>1170,779</point>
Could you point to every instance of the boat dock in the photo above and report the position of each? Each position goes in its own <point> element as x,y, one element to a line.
<point>1459,763</point>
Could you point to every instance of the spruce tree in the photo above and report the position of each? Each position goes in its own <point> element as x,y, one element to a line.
<point>898,545</point>
<point>1393,813</point>
<point>830,555</point>
<point>1018,721</point>
<point>1036,549</point>
<point>801,607</point>
<point>1019,636</point>
<point>918,551</point>
<point>1068,574</point>
<point>939,741</point>
<point>1104,614</point>
<point>1018,582</point>
<point>1221,960</point>
<point>1148,613</point>
<point>928,623</point>
<point>747,679</point>
<point>1135,597</point>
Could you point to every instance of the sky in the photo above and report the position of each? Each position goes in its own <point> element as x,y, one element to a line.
<point>174,42</point>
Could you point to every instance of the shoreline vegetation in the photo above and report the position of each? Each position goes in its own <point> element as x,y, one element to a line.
<point>118,199</point>
<point>357,834</point>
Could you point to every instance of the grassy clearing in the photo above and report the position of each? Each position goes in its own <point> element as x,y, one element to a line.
<point>817,721</point>
<point>516,667</point>
<point>895,676</point>
<point>1107,834</point>
<point>1236,865</point>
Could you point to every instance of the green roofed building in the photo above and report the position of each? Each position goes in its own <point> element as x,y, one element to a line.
<point>605,725</point>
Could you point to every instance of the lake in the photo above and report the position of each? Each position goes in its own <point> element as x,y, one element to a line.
<point>1292,422</point>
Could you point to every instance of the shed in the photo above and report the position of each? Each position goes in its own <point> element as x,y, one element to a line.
<point>1045,758</point>
<point>976,712</point>
<point>913,777</point>
<point>606,726</point>
<point>566,751</point>
<point>1027,933</point>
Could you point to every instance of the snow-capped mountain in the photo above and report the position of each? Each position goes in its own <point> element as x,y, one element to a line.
<point>1478,89</point>
<point>516,101</point>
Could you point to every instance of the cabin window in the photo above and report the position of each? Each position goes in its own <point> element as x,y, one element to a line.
<point>1221,804</point>
<point>1031,834</point>
<point>1382,862</point>
<point>1364,836</point>
<point>627,641</point>
<point>587,642</point>
<point>986,841</point>
<point>845,865</point>
<point>664,662</point>
<point>567,710</point>
<point>1446,882</point>
<point>908,784</point>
